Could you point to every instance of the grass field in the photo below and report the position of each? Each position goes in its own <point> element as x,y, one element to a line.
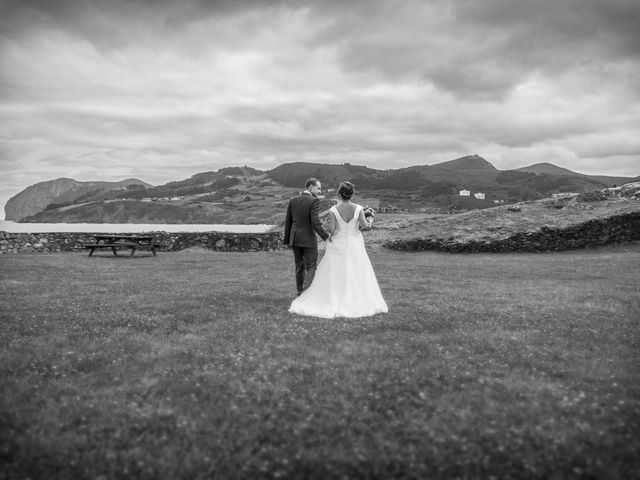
<point>187,365</point>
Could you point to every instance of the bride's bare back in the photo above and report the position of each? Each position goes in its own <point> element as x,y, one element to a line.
<point>346,210</point>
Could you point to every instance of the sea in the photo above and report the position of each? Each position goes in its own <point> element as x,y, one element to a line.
<point>16,227</point>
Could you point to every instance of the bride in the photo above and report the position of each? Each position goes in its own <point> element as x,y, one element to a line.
<point>345,284</point>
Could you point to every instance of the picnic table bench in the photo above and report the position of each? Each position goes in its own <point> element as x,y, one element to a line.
<point>114,242</point>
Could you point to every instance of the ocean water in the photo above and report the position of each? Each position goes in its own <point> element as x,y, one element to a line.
<point>14,227</point>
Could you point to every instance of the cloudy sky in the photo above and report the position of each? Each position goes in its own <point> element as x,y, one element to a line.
<point>160,90</point>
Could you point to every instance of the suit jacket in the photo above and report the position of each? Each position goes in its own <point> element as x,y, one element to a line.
<point>303,222</point>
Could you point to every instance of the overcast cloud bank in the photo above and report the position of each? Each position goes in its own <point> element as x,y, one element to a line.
<point>160,90</point>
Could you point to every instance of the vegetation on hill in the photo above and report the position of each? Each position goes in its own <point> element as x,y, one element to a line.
<point>204,183</point>
<point>295,174</point>
<point>60,192</point>
<point>551,169</point>
<point>438,185</point>
<point>233,194</point>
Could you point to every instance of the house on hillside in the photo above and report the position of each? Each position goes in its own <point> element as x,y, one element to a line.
<point>563,195</point>
<point>479,196</point>
<point>465,193</point>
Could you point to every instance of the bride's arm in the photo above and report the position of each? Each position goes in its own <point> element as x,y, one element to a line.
<point>363,222</point>
<point>331,223</point>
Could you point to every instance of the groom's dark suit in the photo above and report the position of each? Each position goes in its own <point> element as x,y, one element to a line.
<point>300,229</point>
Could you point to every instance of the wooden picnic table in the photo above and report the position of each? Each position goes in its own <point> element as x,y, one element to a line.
<point>116,241</point>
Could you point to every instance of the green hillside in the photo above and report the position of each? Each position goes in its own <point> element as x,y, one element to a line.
<point>248,195</point>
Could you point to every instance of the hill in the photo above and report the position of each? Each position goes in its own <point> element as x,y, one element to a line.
<point>551,169</point>
<point>209,197</point>
<point>471,171</point>
<point>248,195</point>
<point>453,173</point>
<point>548,168</point>
<point>61,192</point>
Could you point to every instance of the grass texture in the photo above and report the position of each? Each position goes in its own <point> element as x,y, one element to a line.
<point>188,366</point>
<point>496,223</point>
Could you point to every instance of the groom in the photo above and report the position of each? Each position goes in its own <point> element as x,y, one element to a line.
<point>300,229</point>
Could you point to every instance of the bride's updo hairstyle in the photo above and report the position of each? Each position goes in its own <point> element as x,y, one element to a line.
<point>345,190</point>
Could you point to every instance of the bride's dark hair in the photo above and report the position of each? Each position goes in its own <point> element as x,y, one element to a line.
<point>345,190</point>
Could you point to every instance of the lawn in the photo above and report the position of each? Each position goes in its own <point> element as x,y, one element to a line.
<point>187,365</point>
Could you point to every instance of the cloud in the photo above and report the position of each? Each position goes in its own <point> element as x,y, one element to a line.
<point>163,89</point>
<point>482,49</point>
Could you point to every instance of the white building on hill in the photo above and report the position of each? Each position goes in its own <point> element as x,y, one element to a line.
<point>465,193</point>
<point>563,195</point>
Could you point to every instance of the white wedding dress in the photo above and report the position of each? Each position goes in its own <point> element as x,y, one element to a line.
<point>345,284</point>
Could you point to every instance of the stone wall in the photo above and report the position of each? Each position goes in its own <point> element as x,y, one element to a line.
<point>608,231</point>
<point>170,242</point>
<point>617,229</point>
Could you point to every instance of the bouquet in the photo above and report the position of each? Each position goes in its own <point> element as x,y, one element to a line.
<point>368,213</point>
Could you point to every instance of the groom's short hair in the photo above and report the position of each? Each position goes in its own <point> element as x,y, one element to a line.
<point>311,181</point>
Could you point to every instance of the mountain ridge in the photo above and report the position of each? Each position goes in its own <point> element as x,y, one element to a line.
<point>552,169</point>
<point>546,167</point>
<point>469,162</point>
<point>231,194</point>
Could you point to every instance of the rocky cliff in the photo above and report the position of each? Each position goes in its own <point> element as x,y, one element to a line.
<point>36,197</point>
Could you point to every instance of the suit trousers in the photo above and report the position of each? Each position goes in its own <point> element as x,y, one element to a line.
<point>306,259</point>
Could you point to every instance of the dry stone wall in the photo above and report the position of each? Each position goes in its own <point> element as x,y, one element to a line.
<point>593,233</point>
<point>169,242</point>
<point>617,229</point>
